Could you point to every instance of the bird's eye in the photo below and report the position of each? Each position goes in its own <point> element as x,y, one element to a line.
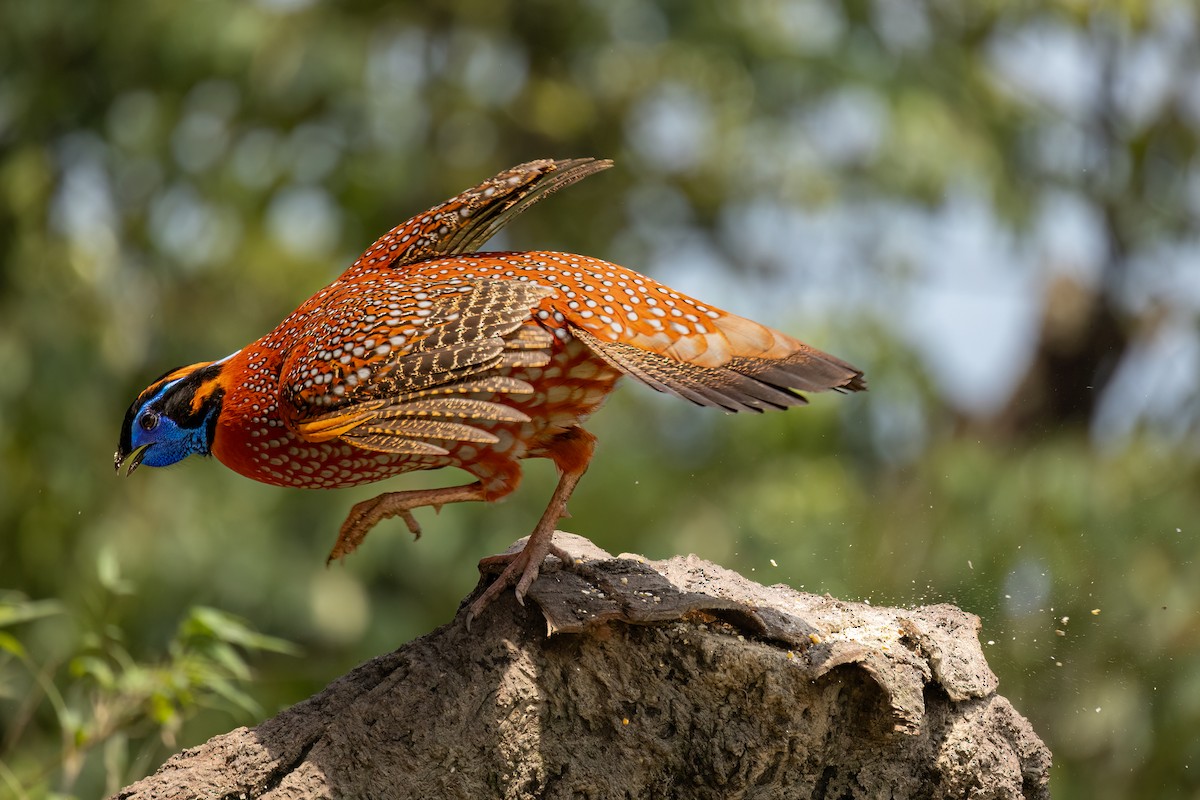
<point>149,421</point>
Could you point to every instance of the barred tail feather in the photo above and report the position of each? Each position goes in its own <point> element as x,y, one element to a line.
<point>741,384</point>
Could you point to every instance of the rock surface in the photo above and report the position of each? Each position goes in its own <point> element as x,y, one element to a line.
<point>628,678</point>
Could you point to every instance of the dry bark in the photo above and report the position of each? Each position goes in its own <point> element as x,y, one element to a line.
<point>629,679</point>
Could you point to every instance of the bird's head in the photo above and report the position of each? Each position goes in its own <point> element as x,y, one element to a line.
<point>173,418</point>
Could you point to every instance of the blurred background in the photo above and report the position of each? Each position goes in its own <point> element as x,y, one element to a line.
<point>990,207</point>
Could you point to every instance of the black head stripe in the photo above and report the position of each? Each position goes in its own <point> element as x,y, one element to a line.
<point>189,402</point>
<point>125,444</point>
<point>211,433</point>
<point>174,395</point>
<point>147,395</point>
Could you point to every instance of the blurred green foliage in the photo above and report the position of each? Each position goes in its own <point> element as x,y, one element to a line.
<point>175,178</point>
<point>114,715</point>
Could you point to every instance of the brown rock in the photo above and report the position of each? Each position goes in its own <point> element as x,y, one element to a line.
<point>629,679</point>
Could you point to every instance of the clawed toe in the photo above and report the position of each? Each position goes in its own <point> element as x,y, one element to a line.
<point>359,521</point>
<point>567,560</point>
<point>366,515</point>
<point>414,527</point>
<point>521,569</point>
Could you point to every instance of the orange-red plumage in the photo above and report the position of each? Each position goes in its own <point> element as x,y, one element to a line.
<point>425,354</point>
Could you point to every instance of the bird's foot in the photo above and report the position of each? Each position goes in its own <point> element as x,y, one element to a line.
<point>366,515</point>
<point>520,571</point>
<point>369,513</point>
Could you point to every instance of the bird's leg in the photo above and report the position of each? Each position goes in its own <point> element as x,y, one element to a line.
<point>369,513</point>
<point>571,452</point>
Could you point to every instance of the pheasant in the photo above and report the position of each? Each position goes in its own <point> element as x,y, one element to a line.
<point>427,354</point>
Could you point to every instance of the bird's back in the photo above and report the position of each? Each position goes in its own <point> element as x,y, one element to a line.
<point>553,331</point>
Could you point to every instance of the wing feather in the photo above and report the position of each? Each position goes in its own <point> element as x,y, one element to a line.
<point>465,222</point>
<point>742,384</point>
<point>445,386</point>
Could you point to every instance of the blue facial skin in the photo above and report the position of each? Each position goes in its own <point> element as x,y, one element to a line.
<point>178,420</point>
<point>168,442</point>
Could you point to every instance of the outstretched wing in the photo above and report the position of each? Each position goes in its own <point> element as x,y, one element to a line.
<point>437,386</point>
<point>677,345</point>
<point>741,384</point>
<point>463,223</point>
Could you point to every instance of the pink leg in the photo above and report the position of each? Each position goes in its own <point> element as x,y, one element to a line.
<point>367,514</point>
<point>571,452</point>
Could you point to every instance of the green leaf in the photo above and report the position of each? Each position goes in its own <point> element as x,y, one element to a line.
<point>108,570</point>
<point>10,644</point>
<point>238,698</point>
<point>96,668</point>
<point>13,613</point>
<point>204,621</point>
